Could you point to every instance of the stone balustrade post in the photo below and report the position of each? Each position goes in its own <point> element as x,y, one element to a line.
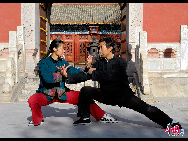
<point>10,72</point>
<point>20,43</point>
<point>13,51</point>
<point>184,47</point>
<point>160,53</point>
<point>144,62</point>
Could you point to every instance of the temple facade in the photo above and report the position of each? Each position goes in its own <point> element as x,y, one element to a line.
<point>75,23</point>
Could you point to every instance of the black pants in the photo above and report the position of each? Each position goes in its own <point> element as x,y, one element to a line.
<point>87,94</point>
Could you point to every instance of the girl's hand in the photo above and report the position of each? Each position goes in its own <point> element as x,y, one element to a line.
<point>63,70</point>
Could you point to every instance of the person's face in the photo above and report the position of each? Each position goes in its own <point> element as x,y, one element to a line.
<point>60,51</point>
<point>104,51</point>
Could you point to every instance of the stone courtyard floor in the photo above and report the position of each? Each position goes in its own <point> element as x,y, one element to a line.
<point>59,120</point>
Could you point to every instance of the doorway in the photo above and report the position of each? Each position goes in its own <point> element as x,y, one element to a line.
<point>76,44</point>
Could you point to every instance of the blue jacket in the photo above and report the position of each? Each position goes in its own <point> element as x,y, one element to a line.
<point>52,83</point>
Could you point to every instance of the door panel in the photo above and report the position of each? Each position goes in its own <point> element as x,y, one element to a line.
<point>80,47</point>
<point>69,47</point>
<point>76,45</point>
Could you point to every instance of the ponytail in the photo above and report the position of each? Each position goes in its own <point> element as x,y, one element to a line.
<point>55,43</point>
<point>48,53</point>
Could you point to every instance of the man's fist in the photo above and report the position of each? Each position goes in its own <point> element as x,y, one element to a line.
<point>90,70</point>
<point>89,61</point>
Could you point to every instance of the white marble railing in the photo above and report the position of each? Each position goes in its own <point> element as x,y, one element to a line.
<point>175,64</point>
<point>10,74</point>
<point>162,64</point>
<point>16,47</point>
<point>11,64</point>
<point>143,64</point>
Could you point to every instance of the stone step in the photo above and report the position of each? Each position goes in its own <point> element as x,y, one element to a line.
<point>33,80</point>
<point>1,89</point>
<point>169,85</point>
<point>168,80</point>
<point>168,74</point>
<point>30,87</point>
<point>26,91</point>
<point>148,99</point>
<point>23,97</point>
<point>2,74</point>
<point>36,85</point>
<point>2,80</point>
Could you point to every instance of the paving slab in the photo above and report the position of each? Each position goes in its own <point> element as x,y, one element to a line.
<point>59,118</point>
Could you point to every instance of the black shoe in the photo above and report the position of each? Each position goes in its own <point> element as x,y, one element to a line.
<point>178,124</point>
<point>171,125</point>
<point>82,121</point>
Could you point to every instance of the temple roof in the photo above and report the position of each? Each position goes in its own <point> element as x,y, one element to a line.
<point>85,13</point>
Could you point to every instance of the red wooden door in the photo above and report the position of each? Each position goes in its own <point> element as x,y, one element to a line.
<point>69,47</point>
<point>76,45</point>
<point>80,47</point>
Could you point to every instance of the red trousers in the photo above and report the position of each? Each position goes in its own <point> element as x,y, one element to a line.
<point>37,100</point>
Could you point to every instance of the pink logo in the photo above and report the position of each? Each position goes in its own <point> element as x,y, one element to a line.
<point>174,131</point>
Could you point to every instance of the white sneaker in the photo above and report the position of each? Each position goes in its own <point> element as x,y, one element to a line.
<point>31,123</point>
<point>107,119</point>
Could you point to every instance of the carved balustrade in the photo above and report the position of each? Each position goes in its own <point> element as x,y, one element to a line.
<point>15,63</point>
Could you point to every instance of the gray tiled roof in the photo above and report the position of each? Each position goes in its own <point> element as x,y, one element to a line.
<point>85,14</point>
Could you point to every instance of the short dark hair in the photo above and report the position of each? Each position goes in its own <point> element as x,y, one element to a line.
<point>109,43</point>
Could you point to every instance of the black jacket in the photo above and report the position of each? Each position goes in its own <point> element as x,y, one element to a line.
<point>111,75</point>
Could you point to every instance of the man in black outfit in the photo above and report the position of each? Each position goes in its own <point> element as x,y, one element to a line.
<point>110,72</point>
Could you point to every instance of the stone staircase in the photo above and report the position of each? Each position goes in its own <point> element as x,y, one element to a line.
<point>171,84</point>
<point>30,87</point>
<point>163,84</point>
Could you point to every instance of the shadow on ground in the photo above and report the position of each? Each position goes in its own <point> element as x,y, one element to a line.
<point>59,123</point>
<point>49,111</point>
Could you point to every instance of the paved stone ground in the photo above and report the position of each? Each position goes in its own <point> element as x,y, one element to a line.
<point>59,118</point>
